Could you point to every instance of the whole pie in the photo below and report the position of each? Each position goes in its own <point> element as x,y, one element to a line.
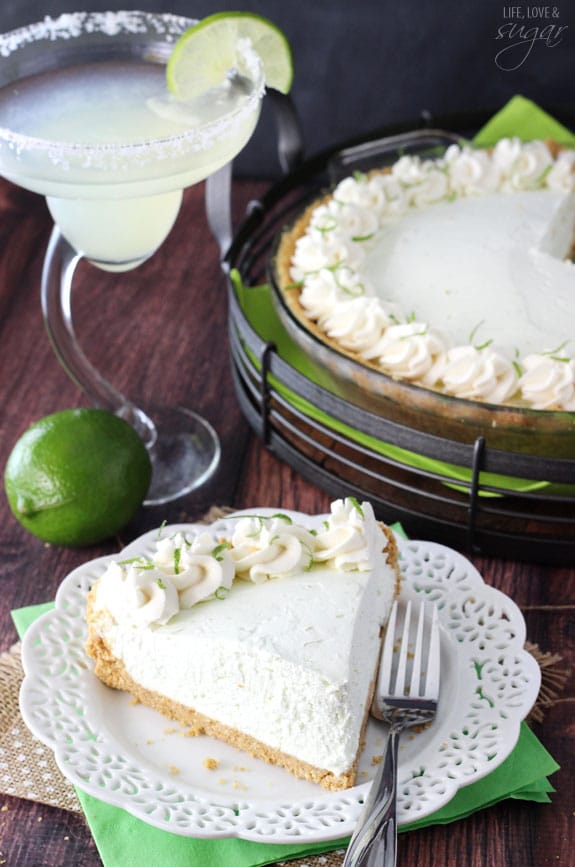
<point>454,273</point>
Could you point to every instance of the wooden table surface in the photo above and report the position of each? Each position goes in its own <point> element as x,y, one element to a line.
<point>160,333</point>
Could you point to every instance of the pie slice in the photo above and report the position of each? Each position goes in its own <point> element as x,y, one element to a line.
<point>268,640</point>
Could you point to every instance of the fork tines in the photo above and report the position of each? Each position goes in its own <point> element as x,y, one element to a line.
<point>409,665</point>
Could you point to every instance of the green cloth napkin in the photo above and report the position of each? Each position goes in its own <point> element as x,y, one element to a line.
<point>123,840</point>
<point>523,118</point>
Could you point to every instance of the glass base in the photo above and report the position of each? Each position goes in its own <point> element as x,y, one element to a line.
<point>185,453</point>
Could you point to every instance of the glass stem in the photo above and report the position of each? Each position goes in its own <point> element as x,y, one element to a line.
<point>57,276</point>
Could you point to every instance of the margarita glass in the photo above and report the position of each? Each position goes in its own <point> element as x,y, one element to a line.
<point>86,120</point>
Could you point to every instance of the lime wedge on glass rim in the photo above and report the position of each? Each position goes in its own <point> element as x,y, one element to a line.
<point>206,54</point>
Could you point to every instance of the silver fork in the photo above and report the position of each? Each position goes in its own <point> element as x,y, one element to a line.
<point>406,694</point>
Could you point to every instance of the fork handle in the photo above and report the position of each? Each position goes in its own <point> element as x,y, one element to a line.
<point>374,841</point>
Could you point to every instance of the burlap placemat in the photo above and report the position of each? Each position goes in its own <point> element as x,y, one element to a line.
<point>27,767</point>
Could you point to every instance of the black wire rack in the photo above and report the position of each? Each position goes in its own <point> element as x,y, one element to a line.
<point>486,515</point>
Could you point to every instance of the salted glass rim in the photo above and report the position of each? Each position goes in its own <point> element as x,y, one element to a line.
<point>74,25</point>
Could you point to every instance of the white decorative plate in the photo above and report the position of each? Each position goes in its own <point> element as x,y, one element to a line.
<point>131,756</point>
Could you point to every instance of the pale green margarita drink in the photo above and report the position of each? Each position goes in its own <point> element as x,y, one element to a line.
<point>103,139</point>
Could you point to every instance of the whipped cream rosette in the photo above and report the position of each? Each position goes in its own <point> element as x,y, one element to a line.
<point>411,351</point>
<point>484,375</point>
<point>350,538</point>
<point>263,548</point>
<point>549,382</point>
<point>198,567</point>
<point>137,593</point>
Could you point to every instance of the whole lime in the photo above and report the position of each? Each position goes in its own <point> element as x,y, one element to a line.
<point>78,476</point>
